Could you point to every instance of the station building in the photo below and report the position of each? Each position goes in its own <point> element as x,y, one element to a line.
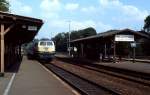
<point>112,44</point>
<point>15,30</point>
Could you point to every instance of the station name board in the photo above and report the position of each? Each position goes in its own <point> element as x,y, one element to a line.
<point>125,38</point>
<point>32,28</point>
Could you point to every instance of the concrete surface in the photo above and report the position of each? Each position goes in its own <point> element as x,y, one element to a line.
<point>32,79</point>
<point>4,82</point>
<point>137,66</point>
<point>141,66</point>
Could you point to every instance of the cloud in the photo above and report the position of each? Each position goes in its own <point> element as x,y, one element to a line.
<point>78,25</point>
<point>50,5</point>
<point>132,12</point>
<point>71,6</point>
<point>110,3</point>
<point>103,27</point>
<point>26,9</point>
<point>19,8</point>
<point>75,25</point>
<point>50,9</point>
<point>135,12</point>
<point>89,9</point>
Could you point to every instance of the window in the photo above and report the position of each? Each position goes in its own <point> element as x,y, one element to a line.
<point>49,43</point>
<point>43,43</point>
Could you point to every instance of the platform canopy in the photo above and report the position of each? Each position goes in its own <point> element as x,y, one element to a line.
<point>14,31</point>
<point>19,29</point>
<point>104,36</point>
<point>108,43</point>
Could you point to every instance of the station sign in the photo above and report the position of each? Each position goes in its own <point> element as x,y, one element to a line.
<point>133,45</point>
<point>32,28</point>
<point>124,38</point>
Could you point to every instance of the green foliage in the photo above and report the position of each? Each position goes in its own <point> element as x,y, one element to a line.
<point>83,33</point>
<point>147,24</point>
<point>61,39</point>
<point>4,5</point>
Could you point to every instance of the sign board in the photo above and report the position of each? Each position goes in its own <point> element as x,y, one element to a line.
<point>32,28</point>
<point>133,45</point>
<point>75,49</point>
<point>125,38</point>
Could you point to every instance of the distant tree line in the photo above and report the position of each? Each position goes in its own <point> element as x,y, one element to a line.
<point>147,24</point>
<point>61,39</point>
<point>146,29</point>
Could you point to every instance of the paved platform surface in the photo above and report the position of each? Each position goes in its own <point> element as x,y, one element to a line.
<point>137,66</point>
<point>4,82</point>
<point>33,79</point>
<point>140,66</point>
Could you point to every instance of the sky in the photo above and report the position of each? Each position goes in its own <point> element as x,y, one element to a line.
<point>102,15</point>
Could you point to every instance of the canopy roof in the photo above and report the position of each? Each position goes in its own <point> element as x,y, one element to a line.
<point>111,33</point>
<point>20,29</point>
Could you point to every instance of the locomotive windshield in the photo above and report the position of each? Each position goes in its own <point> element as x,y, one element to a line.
<point>43,43</point>
<point>49,43</point>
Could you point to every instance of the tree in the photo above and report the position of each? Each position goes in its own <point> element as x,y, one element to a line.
<point>4,5</point>
<point>61,39</point>
<point>83,33</point>
<point>147,24</point>
<point>87,32</point>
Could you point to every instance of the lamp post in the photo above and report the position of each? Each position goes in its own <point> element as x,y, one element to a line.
<point>69,38</point>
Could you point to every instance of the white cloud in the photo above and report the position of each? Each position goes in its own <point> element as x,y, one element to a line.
<point>100,26</point>
<point>77,25</point>
<point>19,8</point>
<point>50,9</point>
<point>89,9</point>
<point>135,12</point>
<point>132,12</point>
<point>50,5</point>
<point>71,6</point>
<point>110,3</point>
<point>26,9</point>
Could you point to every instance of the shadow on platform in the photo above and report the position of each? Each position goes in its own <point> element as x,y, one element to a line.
<point>14,67</point>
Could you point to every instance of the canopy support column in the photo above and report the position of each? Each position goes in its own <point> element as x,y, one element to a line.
<point>105,46</point>
<point>114,58</point>
<point>2,48</point>
<point>82,51</point>
<point>2,33</point>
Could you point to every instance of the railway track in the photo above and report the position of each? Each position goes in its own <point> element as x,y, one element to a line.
<point>85,87</point>
<point>139,77</point>
<point>91,80</point>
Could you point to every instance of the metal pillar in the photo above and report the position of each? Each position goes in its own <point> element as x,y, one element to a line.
<point>114,58</point>
<point>133,54</point>
<point>82,52</point>
<point>69,39</point>
<point>105,49</point>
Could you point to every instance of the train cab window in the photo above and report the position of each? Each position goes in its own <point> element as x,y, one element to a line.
<point>43,43</point>
<point>49,43</point>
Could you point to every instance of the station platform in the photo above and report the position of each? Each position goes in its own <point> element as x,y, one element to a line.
<point>128,65</point>
<point>34,79</point>
<point>140,65</point>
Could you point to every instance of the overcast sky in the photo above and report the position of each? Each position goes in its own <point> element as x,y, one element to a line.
<point>100,14</point>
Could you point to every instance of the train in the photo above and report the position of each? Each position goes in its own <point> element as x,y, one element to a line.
<point>42,49</point>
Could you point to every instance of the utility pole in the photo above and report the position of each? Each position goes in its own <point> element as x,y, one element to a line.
<point>69,38</point>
